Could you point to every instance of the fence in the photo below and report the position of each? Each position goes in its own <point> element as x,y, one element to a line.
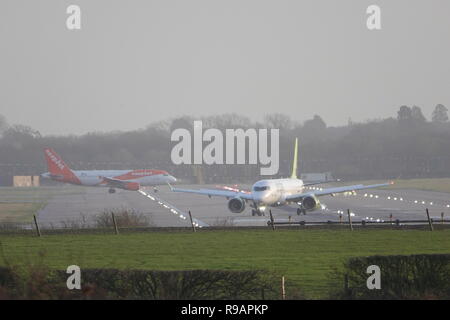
<point>397,222</point>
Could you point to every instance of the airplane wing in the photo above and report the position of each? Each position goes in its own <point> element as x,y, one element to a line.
<point>328,191</point>
<point>234,188</point>
<point>114,182</point>
<point>316,183</point>
<point>217,193</point>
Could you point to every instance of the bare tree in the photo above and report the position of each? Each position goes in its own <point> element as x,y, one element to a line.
<point>440,114</point>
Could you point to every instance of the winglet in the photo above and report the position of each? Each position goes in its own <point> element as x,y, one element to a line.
<point>294,162</point>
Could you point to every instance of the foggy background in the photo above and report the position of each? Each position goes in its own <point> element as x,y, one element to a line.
<point>406,145</point>
<point>364,104</point>
<point>137,62</point>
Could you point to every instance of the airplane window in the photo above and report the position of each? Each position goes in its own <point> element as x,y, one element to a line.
<point>261,188</point>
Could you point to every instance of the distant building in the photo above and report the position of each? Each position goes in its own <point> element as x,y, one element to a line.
<point>316,177</point>
<point>26,181</point>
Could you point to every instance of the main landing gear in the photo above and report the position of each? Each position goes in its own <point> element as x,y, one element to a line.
<point>256,211</point>
<point>301,211</point>
<point>155,190</point>
<point>112,190</point>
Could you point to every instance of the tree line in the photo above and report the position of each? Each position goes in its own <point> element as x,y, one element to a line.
<point>407,145</point>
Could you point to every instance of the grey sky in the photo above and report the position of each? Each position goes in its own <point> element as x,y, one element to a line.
<point>135,62</point>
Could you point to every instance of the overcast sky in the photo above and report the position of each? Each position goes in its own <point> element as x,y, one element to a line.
<point>136,62</point>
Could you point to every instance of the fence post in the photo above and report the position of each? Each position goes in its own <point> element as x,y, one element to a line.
<point>340,218</point>
<point>283,291</point>
<point>192,221</point>
<point>430,222</point>
<point>114,223</point>
<point>350,220</point>
<point>271,220</point>
<point>442,218</point>
<point>346,286</point>
<point>37,226</point>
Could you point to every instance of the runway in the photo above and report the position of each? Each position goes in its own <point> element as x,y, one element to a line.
<point>171,211</point>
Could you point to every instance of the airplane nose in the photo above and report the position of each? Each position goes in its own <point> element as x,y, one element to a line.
<point>173,179</point>
<point>259,197</point>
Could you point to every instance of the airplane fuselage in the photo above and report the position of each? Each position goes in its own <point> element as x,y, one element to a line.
<point>273,192</point>
<point>96,177</point>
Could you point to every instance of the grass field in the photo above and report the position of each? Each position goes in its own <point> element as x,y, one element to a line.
<point>436,184</point>
<point>36,193</point>
<point>305,257</point>
<point>17,205</point>
<point>18,212</point>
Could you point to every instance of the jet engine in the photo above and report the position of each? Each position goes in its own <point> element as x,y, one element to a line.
<point>310,202</point>
<point>236,205</point>
<point>132,186</point>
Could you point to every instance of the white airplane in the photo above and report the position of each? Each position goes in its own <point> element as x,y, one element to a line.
<point>278,192</point>
<point>122,179</point>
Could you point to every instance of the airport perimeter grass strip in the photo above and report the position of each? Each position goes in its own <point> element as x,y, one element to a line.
<point>19,212</point>
<point>432,184</point>
<point>305,257</point>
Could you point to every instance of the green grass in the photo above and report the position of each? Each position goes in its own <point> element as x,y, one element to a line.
<point>18,204</point>
<point>19,212</point>
<point>442,184</point>
<point>305,257</point>
<point>436,184</point>
<point>36,193</point>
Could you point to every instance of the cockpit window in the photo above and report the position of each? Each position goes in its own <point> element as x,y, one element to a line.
<point>261,188</point>
<point>165,175</point>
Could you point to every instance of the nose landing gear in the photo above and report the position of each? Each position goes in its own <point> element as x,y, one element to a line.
<point>257,211</point>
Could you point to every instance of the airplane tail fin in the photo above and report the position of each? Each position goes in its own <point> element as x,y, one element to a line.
<point>295,160</point>
<point>56,165</point>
